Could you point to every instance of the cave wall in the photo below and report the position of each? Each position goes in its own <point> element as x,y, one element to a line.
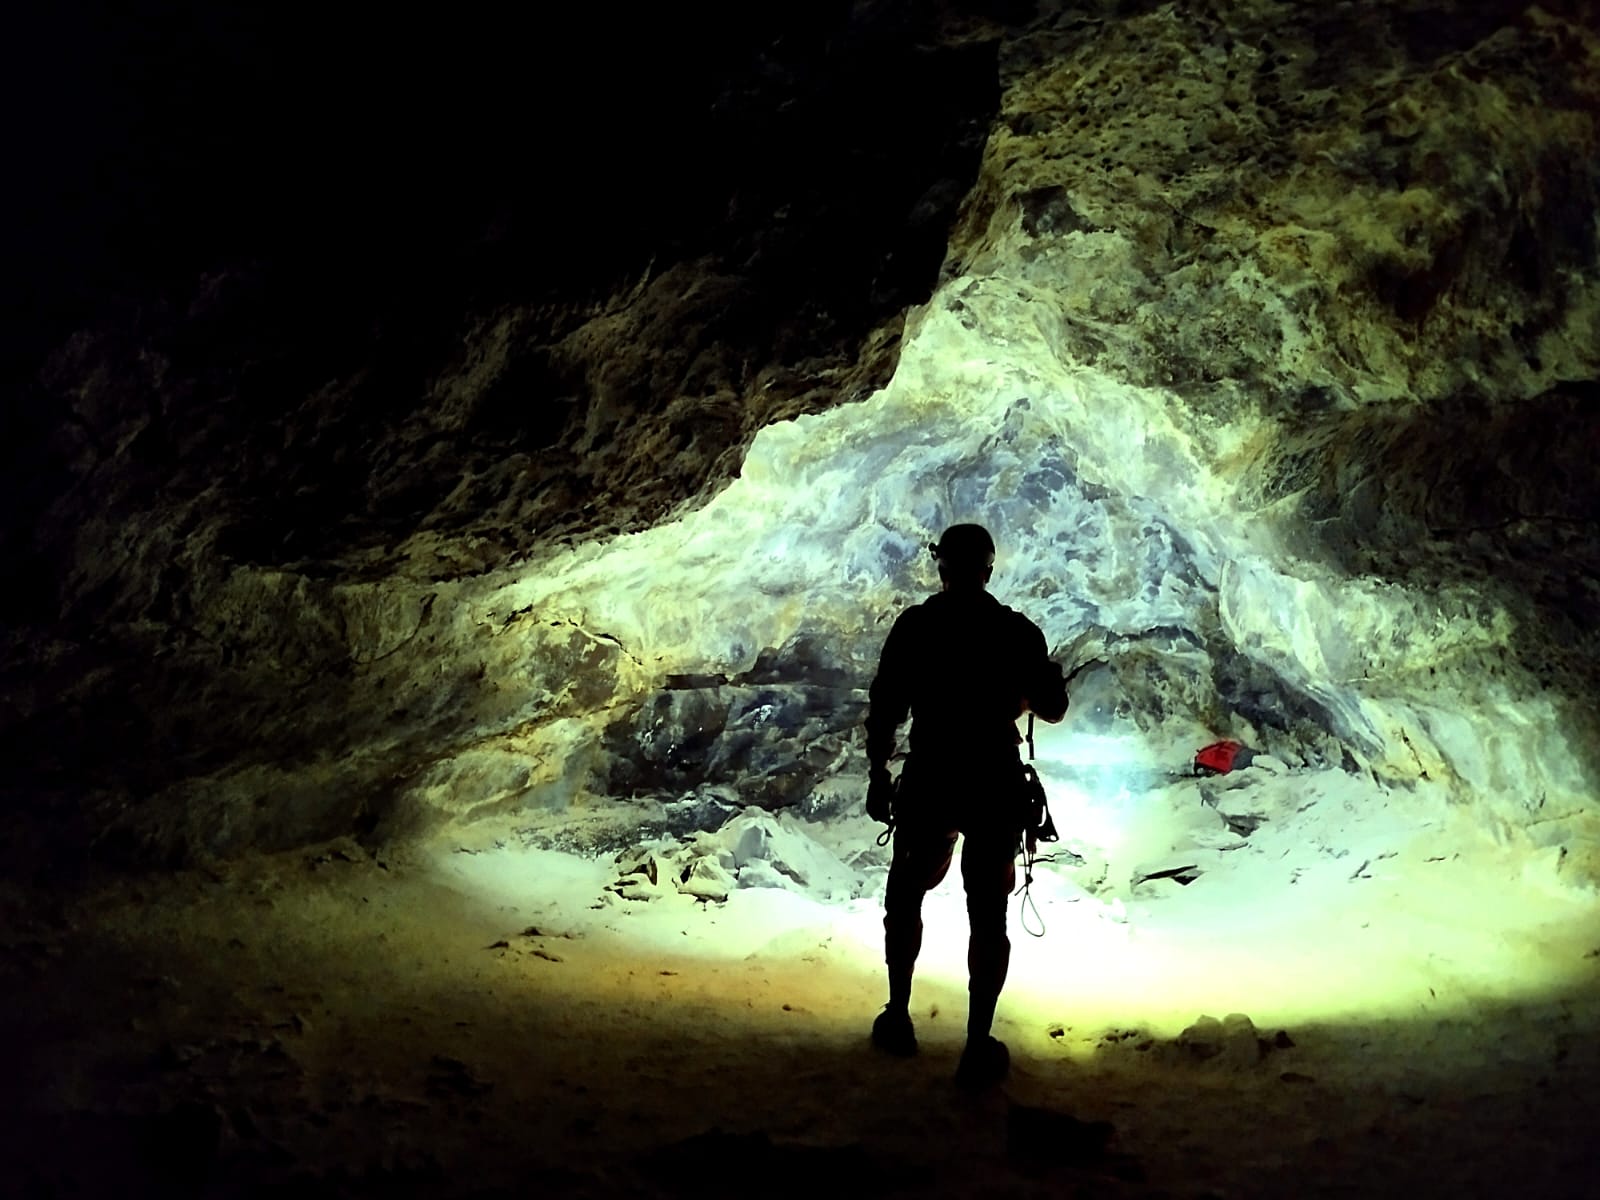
<point>1262,335</point>
<point>378,309</point>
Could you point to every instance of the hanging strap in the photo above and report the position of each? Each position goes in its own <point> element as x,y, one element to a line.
<point>887,835</point>
<point>1029,857</point>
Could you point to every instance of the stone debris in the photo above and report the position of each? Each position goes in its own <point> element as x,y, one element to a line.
<point>762,874</point>
<point>713,846</point>
<point>775,851</point>
<point>1243,824</point>
<point>1233,1041</point>
<point>706,879</point>
<point>1138,1039</point>
<point>636,887</point>
<point>643,863</point>
<point>1205,1039</point>
<point>756,849</point>
<point>529,935</point>
<point>642,874</point>
<point>1222,838</point>
<point>1182,868</point>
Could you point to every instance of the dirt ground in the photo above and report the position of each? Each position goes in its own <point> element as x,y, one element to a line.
<point>328,1025</point>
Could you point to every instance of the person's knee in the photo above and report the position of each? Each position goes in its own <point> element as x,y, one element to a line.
<point>918,869</point>
<point>903,895</point>
<point>988,890</point>
<point>987,915</point>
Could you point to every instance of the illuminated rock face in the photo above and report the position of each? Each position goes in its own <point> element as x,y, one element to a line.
<point>1264,343</point>
<point>1268,389</point>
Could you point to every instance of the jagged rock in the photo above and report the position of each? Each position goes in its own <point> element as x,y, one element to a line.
<point>705,879</point>
<point>643,875</point>
<point>774,850</point>
<point>839,795</point>
<point>1203,1040</point>
<point>1232,1041</point>
<point>1239,801</point>
<point>1244,1044</point>
<point>713,846</point>
<point>646,863</point>
<point>1225,838</point>
<point>1241,823</point>
<point>762,874</point>
<point>1214,787</point>
<point>1182,868</point>
<point>636,888</point>
<point>706,808</point>
<point>770,743</point>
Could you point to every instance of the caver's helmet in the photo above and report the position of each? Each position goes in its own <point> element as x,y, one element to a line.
<point>964,551</point>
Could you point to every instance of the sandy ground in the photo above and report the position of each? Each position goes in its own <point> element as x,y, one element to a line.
<point>453,1024</point>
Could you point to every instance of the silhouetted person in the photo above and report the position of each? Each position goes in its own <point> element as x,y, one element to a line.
<point>965,667</point>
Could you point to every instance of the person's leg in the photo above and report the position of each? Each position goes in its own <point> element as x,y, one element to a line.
<point>921,860</point>
<point>989,873</point>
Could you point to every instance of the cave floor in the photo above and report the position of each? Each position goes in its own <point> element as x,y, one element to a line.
<point>326,1024</point>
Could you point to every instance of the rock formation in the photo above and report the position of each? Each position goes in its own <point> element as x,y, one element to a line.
<point>1262,335</point>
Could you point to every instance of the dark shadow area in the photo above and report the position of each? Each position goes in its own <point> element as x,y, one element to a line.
<point>280,230</point>
<point>361,296</point>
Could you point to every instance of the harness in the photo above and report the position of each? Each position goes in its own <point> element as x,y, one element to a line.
<point>1039,824</point>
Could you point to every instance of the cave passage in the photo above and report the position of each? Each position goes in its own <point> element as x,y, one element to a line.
<point>453,515</point>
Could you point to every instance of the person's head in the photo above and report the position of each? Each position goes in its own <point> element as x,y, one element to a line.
<point>966,556</point>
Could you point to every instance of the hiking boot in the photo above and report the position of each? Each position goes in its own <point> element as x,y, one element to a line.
<point>983,1064</point>
<point>894,1034</point>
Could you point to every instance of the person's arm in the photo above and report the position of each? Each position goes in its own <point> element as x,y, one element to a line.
<point>1045,690</point>
<point>890,695</point>
<point>890,703</point>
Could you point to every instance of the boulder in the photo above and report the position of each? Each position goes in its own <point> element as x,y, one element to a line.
<point>642,875</point>
<point>1232,1041</point>
<point>706,879</point>
<point>774,850</point>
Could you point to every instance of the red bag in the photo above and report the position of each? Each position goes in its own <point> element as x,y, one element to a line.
<point>1219,758</point>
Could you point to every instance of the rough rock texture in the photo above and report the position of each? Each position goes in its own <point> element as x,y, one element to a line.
<point>234,487</point>
<point>1339,204</point>
<point>1264,338</point>
<point>1354,254</point>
